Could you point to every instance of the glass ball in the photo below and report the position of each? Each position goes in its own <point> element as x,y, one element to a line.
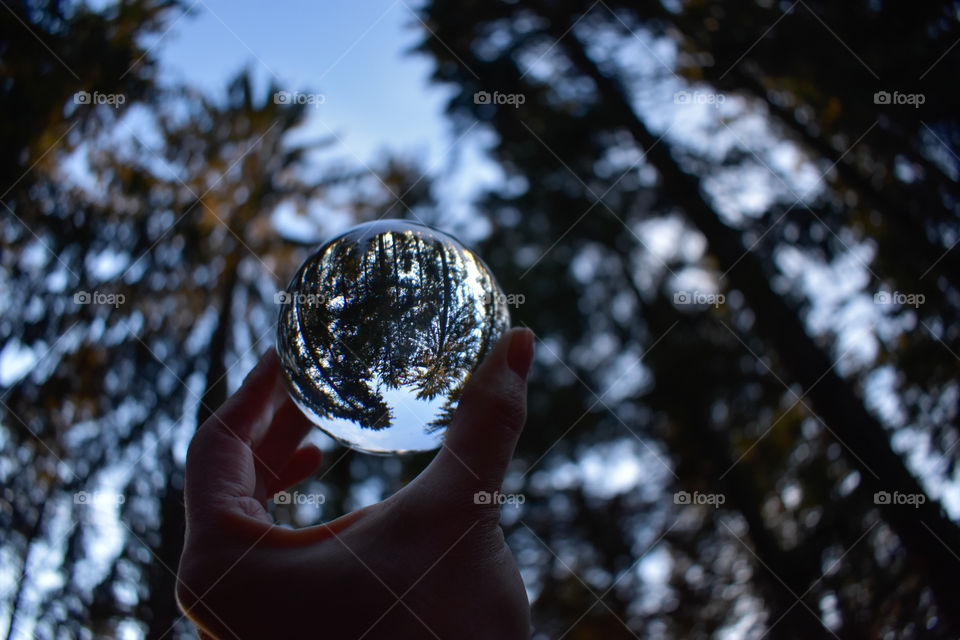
<point>380,329</point>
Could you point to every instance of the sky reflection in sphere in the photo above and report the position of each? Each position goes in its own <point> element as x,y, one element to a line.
<point>380,329</point>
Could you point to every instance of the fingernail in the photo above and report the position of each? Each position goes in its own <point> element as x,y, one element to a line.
<point>520,354</point>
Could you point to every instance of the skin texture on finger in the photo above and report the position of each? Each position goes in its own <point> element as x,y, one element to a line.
<point>286,430</point>
<point>301,465</point>
<point>273,454</point>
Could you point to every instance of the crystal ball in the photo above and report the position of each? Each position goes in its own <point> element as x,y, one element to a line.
<point>380,329</point>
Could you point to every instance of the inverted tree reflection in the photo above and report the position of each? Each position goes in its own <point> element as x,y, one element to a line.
<point>392,305</point>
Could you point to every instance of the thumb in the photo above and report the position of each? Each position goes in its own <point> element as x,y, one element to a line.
<point>489,418</point>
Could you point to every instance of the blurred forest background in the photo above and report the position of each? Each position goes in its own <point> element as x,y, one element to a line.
<point>734,225</point>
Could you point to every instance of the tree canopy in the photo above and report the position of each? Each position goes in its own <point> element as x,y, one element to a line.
<point>734,229</point>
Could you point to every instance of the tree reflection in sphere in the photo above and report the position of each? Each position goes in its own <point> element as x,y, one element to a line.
<point>380,329</point>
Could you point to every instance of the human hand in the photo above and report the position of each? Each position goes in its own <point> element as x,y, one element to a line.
<point>427,562</point>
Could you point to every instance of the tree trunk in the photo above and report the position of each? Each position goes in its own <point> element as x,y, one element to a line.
<point>21,582</point>
<point>164,610</point>
<point>925,531</point>
<point>906,218</point>
<point>782,578</point>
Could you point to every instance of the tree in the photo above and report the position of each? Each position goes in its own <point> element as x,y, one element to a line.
<point>703,455</point>
<point>386,308</point>
<point>140,284</point>
<point>597,176</point>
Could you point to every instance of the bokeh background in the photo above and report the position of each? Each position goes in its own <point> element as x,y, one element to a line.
<point>732,226</point>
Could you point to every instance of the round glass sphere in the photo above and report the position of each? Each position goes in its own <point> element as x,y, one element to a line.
<point>380,329</point>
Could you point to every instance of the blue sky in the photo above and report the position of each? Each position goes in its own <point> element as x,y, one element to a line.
<point>351,52</point>
<point>377,96</point>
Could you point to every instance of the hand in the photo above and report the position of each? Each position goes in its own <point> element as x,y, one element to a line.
<point>427,562</point>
